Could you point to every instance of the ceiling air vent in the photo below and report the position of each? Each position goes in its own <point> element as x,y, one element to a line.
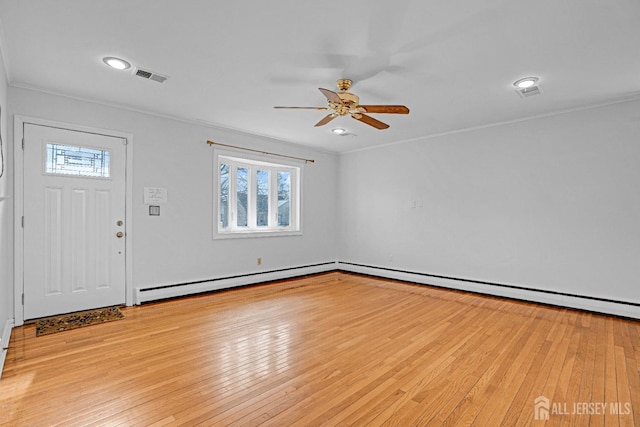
<point>150,75</point>
<point>529,91</point>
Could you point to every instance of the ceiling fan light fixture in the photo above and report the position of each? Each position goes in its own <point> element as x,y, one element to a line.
<point>526,82</point>
<point>117,63</point>
<point>339,131</point>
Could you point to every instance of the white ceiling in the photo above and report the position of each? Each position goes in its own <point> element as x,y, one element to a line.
<point>452,62</point>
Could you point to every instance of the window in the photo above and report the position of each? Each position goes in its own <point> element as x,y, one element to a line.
<point>254,197</point>
<point>78,161</point>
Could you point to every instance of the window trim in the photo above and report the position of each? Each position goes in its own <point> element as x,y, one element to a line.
<point>255,161</point>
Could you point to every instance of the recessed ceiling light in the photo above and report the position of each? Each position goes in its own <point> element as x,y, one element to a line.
<point>117,63</point>
<point>339,131</point>
<point>526,82</point>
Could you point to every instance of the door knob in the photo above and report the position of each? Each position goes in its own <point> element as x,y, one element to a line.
<point>119,223</point>
<point>119,234</point>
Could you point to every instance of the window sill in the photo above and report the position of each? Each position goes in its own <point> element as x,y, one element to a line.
<point>254,233</point>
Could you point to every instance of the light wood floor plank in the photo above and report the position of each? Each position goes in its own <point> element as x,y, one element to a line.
<point>331,349</point>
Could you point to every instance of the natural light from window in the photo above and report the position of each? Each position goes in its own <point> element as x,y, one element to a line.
<point>255,197</point>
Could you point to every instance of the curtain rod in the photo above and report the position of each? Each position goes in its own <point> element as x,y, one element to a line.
<point>261,152</point>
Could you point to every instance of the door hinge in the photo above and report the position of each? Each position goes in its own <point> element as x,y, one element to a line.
<point>22,299</point>
<point>23,143</point>
<point>22,221</point>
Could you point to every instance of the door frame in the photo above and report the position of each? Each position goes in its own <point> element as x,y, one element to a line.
<point>18,205</point>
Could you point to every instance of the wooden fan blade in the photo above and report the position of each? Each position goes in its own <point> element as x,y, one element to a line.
<point>305,108</point>
<point>370,121</point>
<point>331,96</point>
<point>390,109</point>
<point>326,119</point>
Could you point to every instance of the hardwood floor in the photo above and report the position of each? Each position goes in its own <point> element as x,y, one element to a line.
<point>332,349</point>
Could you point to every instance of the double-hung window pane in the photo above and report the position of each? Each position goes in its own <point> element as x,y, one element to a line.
<point>284,198</point>
<point>242,206</point>
<point>262,198</point>
<point>224,195</point>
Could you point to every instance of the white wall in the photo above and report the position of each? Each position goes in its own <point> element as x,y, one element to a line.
<point>177,246</point>
<point>6,228</point>
<point>550,204</point>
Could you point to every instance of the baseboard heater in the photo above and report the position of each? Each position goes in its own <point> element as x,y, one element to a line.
<point>146,294</point>
<point>583,302</point>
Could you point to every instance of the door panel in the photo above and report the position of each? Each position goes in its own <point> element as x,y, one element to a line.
<point>74,196</point>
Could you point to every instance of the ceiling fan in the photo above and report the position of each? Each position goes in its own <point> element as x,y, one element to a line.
<point>343,103</point>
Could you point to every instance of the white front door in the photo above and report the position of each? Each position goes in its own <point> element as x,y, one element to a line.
<point>74,213</point>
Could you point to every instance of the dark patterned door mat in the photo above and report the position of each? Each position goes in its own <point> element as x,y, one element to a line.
<point>66,322</point>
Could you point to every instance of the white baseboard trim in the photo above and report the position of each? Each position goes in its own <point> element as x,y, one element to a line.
<point>4,343</point>
<point>145,294</point>
<point>631,310</point>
